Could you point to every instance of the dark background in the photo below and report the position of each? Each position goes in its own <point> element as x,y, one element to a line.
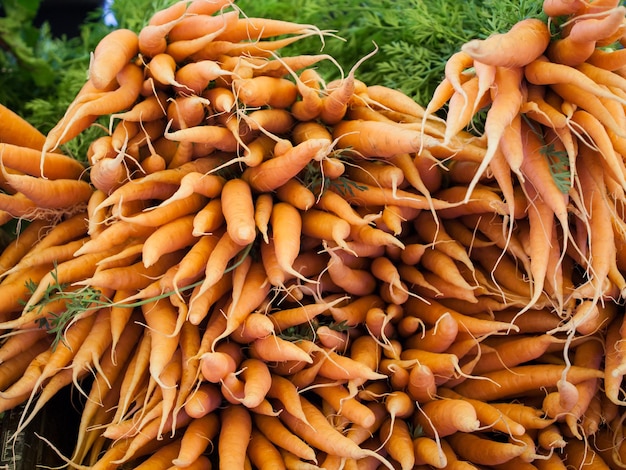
<point>65,16</point>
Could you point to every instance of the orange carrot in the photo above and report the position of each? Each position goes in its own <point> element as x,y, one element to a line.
<point>254,290</point>
<point>523,378</point>
<point>111,54</point>
<point>203,400</point>
<point>447,416</point>
<point>503,49</point>
<point>274,348</point>
<point>48,193</point>
<point>276,171</point>
<point>505,105</point>
<point>236,429</point>
<point>19,132</point>
<point>277,433</point>
<point>325,437</point>
<point>167,238</point>
<point>194,26</point>
<point>265,91</point>
<point>238,208</point>
<point>208,219</point>
<point>82,115</point>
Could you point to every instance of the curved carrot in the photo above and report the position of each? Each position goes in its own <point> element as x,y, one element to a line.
<point>325,437</point>
<point>276,171</point>
<point>503,49</point>
<point>112,53</point>
<point>83,114</point>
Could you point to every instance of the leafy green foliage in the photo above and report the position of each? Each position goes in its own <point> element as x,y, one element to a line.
<point>76,302</point>
<point>415,37</point>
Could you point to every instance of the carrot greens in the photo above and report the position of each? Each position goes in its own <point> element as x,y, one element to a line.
<point>77,302</point>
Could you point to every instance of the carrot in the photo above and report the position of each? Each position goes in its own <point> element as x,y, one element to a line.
<point>602,245</point>
<point>201,302</point>
<point>92,350</point>
<point>589,102</point>
<point>48,193</point>
<point>447,416</point>
<point>216,364</point>
<point>612,361</point>
<point>75,121</point>
<point>276,171</point>
<point>254,290</point>
<point>391,140</point>
<point>194,77</point>
<point>487,414</point>
<point>331,338</point>
<point>167,238</point>
<point>111,54</point>
<point>161,215</point>
<point>184,49</point>
<point>601,140</point>
<point>611,60</point>
<point>256,325</point>
<point>170,377</point>
<point>47,256</point>
<point>579,454</point>
<point>505,105</point>
<point>27,160</point>
<point>161,319</point>
<point>13,367</point>
<point>19,132</point>
<point>138,445</point>
<point>38,371</point>
<point>503,49</point>
<point>203,400</point>
<point>462,106</point>
<point>515,352</point>
<point>153,37</point>
<point>340,399</point>
<point>236,429</point>
<point>27,237</point>
<point>262,452</point>
<point>454,68</point>
<point>194,26</point>
<point>276,432</point>
<point>605,27</point>
<point>238,209</point>
<point>133,277</point>
<point>481,450</point>
<point>331,201</point>
<point>334,103</point>
<point>208,219</point>
<point>438,338</point>
<point>265,91</point>
<point>523,378</point>
<point>286,223</point>
<point>428,452</point>
<point>397,441</point>
<point>562,7</point>
<point>288,317</point>
<point>325,437</point>
<point>354,281</point>
<point>162,457</point>
<point>274,348</point>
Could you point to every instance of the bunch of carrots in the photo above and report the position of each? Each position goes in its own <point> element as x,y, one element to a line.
<point>259,269</point>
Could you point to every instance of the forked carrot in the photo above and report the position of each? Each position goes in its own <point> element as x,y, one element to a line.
<point>503,49</point>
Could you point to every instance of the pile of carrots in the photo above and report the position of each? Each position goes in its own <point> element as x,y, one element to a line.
<point>259,269</point>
